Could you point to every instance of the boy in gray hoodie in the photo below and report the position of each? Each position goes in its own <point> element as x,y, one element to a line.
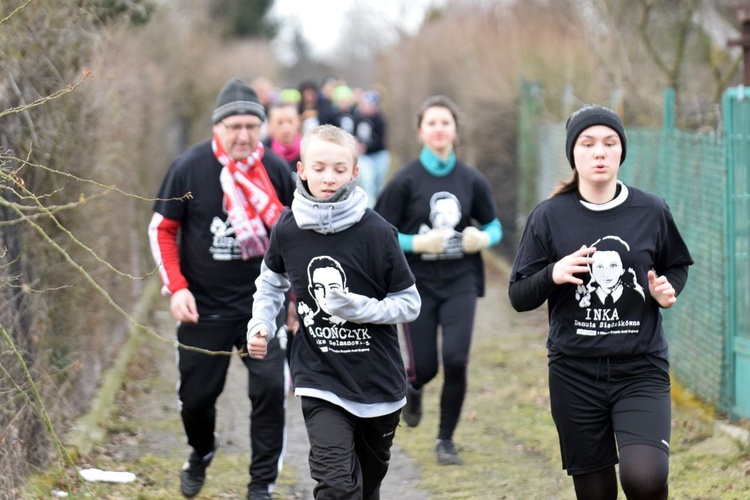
<point>352,285</point>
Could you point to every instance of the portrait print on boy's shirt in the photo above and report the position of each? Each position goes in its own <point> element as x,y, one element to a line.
<point>612,300</point>
<point>445,214</point>
<point>330,332</point>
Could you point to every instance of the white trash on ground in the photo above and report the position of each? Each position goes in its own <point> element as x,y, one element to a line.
<point>106,476</point>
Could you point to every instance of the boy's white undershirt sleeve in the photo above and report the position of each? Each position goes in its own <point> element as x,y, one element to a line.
<point>397,307</point>
<point>268,299</point>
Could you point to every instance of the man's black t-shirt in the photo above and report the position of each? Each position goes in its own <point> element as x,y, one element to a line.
<point>210,260</point>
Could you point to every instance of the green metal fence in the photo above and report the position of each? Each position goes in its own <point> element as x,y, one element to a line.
<point>736,112</point>
<point>707,329</point>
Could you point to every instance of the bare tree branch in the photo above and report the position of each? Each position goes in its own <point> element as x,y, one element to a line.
<point>18,9</point>
<point>68,89</point>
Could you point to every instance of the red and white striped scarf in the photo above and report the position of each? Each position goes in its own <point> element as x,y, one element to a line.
<point>250,199</point>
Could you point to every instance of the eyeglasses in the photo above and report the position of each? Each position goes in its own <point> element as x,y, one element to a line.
<point>236,127</point>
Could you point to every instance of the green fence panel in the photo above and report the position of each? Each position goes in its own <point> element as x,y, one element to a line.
<point>526,153</point>
<point>688,172</point>
<point>553,165</point>
<point>736,113</point>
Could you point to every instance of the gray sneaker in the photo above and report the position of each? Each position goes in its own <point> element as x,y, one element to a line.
<point>412,411</point>
<point>193,473</point>
<point>446,454</point>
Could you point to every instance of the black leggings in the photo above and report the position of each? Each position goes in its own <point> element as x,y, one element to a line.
<point>455,317</point>
<point>202,379</point>
<point>643,475</point>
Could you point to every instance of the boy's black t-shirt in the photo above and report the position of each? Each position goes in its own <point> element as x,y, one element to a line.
<point>357,362</point>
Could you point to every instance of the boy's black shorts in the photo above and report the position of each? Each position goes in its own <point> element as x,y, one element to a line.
<point>602,404</point>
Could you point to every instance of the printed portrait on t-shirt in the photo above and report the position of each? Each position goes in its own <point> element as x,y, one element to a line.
<point>330,332</point>
<point>612,299</point>
<point>364,132</point>
<point>445,214</point>
<point>224,245</point>
<point>324,274</point>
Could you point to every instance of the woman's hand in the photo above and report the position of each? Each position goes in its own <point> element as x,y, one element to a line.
<point>661,290</point>
<point>564,269</point>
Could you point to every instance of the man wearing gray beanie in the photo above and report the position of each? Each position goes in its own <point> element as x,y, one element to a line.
<point>209,247</point>
<point>237,98</point>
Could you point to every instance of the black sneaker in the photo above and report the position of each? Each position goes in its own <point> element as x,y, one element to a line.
<point>412,411</point>
<point>258,494</point>
<point>446,453</point>
<point>193,473</point>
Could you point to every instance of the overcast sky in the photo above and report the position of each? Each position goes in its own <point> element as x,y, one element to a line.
<point>321,21</point>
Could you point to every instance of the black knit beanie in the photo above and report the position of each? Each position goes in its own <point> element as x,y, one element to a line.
<point>588,116</point>
<point>237,98</point>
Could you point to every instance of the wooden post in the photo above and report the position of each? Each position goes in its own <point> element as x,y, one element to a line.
<point>743,16</point>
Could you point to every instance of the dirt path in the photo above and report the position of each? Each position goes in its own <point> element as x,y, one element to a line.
<point>149,426</point>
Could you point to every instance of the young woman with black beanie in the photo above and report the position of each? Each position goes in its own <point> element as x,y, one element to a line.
<point>606,258</point>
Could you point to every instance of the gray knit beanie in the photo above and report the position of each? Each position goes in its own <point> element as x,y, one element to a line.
<point>588,116</point>
<point>237,98</point>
